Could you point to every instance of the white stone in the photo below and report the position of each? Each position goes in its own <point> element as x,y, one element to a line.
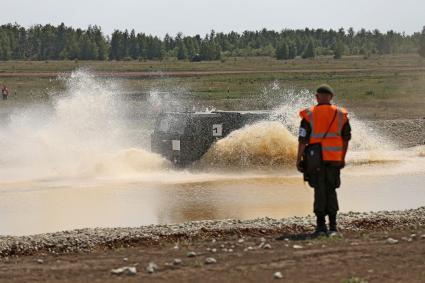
<point>277,275</point>
<point>210,260</point>
<point>126,270</point>
<point>267,246</point>
<point>152,267</point>
<point>392,241</point>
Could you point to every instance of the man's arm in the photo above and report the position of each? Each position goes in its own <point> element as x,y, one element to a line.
<point>344,152</point>
<point>346,136</point>
<point>303,139</point>
<point>301,148</point>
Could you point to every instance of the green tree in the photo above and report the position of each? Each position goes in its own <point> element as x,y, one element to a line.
<point>421,49</point>
<point>116,45</point>
<point>88,48</point>
<point>192,47</point>
<point>383,45</point>
<point>5,51</point>
<point>181,50</point>
<point>338,49</point>
<point>142,44</point>
<point>124,51</point>
<point>154,48</point>
<point>282,51</point>
<point>168,42</point>
<point>61,42</point>
<point>72,50</point>
<point>102,45</point>
<point>310,51</point>
<point>209,50</point>
<point>292,50</point>
<point>48,42</point>
<point>133,45</point>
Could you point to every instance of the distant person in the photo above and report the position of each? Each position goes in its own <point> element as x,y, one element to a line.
<point>5,92</point>
<point>324,127</point>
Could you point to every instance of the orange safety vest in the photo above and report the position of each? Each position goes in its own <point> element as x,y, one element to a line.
<point>320,117</point>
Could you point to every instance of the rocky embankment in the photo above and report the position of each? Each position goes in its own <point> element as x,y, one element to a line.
<point>86,240</point>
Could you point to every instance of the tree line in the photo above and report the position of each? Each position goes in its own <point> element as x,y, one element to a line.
<point>48,42</point>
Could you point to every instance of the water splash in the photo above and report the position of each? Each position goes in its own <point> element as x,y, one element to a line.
<point>84,125</point>
<point>85,132</point>
<point>273,142</point>
<point>264,144</point>
<point>129,162</point>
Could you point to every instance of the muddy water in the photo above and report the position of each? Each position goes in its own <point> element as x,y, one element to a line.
<point>83,162</point>
<point>48,206</point>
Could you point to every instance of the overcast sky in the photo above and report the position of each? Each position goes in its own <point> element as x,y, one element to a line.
<point>200,16</point>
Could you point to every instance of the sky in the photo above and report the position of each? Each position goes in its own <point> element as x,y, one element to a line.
<point>191,17</point>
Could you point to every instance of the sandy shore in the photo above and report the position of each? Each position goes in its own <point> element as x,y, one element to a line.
<point>379,246</point>
<point>86,240</point>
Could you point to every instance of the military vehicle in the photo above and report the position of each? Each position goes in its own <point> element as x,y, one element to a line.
<point>184,137</point>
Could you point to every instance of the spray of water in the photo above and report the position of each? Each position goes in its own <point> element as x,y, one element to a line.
<point>82,131</point>
<point>87,131</point>
<point>273,143</point>
<point>264,144</point>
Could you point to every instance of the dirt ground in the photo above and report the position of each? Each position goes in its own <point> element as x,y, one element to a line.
<point>366,256</point>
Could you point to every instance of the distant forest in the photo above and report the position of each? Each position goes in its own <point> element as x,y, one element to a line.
<point>48,42</point>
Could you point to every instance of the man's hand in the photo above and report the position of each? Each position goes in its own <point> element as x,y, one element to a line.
<point>300,166</point>
<point>344,153</point>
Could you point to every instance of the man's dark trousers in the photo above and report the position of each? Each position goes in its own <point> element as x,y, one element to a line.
<point>325,182</point>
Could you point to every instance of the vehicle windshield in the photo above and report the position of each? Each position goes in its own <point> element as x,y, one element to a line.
<point>172,124</point>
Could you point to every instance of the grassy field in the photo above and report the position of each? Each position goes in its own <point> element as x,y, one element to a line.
<point>372,86</point>
<point>233,63</point>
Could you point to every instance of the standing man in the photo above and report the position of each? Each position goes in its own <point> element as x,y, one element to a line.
<point>326,124</point>
<point>5,92</point>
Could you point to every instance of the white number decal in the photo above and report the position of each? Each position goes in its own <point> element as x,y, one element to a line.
<point>217,130</point>
<point>175,144</point>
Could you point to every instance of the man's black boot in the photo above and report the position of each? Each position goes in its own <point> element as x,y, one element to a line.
<point>333,230</point>
<point>321,229</point>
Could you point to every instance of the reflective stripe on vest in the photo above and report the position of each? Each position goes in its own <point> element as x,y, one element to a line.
<point>332,148</point>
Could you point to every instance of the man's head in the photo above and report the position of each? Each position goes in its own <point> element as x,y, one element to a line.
<point>324,93</point>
